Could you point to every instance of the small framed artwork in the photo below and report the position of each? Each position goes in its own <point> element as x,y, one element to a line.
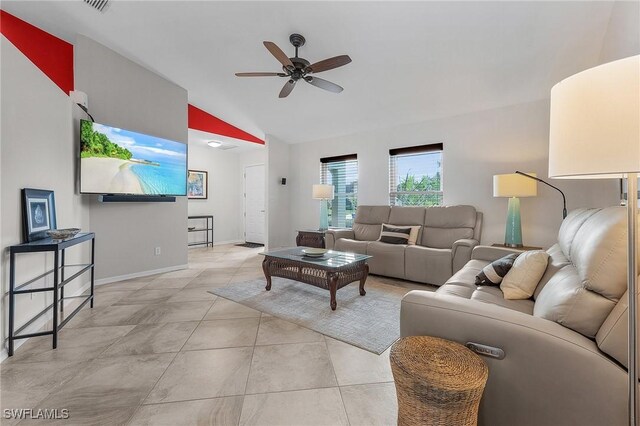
<point>38,213</point>
<point>198,185</point>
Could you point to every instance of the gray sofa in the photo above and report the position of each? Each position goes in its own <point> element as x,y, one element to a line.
<point>565,347</point>
<point>445,241</point>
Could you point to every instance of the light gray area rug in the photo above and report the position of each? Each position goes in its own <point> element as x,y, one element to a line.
<point>370,322</point>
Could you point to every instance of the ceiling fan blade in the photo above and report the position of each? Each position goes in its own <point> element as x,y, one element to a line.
<point>288,87</point>
<point>260,74</point>
<point>323,84</point>
<point>278,54</point>
<point>329,64</point>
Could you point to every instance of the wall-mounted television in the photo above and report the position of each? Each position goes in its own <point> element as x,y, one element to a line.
<point>118,161</point>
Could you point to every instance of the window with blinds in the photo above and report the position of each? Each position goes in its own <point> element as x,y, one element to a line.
<point>415,175</point>
<point>342,173</point>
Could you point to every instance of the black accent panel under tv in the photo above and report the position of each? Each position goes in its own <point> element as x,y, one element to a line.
<point>113,198</point>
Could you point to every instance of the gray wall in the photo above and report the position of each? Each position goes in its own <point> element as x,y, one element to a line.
<point>226,188</point>
<point>223,201</point>
<point>279,203</point>
<point>622,38</point>
<point>476,146</point>
<point>124,94</point>
<point>39,147</point>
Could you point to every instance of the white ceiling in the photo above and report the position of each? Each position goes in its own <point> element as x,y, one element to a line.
<point>412,61</point>
<point>236,146</point>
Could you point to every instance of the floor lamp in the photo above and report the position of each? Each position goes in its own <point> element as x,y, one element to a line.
<point>595,133</point>
<point>564,199</point>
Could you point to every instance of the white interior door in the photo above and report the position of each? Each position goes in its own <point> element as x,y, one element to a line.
<point>254,215</point>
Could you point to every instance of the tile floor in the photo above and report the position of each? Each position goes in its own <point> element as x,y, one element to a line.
<point>161,350</point>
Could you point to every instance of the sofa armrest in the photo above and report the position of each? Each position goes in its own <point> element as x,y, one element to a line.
<point>490,253</point>
<point>334,235</point>
<point>549,375</point>
<point>461,253</point>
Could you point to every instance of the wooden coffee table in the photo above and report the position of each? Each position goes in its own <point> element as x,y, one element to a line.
<point>332,271</point>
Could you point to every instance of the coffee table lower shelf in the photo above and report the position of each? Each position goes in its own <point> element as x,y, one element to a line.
<point>320,276</point>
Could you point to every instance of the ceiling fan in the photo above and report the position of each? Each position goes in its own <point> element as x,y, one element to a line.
<point>299,68</point>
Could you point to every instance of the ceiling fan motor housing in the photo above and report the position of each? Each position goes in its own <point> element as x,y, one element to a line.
<point>300,65</point>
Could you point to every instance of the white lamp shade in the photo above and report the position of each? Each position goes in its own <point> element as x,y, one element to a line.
<point>322,192</point>
<point>514,185</point>
<point>595,122</point>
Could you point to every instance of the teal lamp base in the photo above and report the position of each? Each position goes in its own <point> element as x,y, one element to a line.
<point>324,216</point>
<point>513,234</point>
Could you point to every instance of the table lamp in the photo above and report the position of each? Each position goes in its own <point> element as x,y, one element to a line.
<point>595,133</point>
<point>514,186</point>
<point>323,193</point>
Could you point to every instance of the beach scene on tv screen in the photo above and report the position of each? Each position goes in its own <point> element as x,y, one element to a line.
<point>118,161</point>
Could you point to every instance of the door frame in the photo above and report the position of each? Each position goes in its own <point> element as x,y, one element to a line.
<point>244,202</point>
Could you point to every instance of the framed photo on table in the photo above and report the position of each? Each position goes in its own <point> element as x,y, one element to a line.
<point>38,213</point>
<point>198,185</point>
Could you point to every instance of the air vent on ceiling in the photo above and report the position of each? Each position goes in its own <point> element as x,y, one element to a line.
<point>100,5</point>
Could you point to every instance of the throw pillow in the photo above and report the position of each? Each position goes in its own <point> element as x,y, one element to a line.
<point>396,234</point>
<point>525,274</point>
<point>413,236</point>
<point>493,273</point>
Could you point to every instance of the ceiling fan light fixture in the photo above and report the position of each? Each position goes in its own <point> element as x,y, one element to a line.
<point>214,144</point>
<point>297,68</point>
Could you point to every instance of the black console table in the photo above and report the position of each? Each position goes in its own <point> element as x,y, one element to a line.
<point>60,279</point>
<point>207,229</point>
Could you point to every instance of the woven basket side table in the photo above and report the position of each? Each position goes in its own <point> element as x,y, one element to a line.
<point>438,382</point>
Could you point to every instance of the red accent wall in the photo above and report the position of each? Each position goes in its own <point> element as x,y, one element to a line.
<point>52,55</point>
<point>202,120</point>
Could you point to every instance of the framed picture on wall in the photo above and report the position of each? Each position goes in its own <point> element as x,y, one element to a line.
<point>38,213</point>
<point>198,184</point>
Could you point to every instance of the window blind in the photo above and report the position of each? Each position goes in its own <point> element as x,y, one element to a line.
<point>415,175</point>
<point>342,173</point>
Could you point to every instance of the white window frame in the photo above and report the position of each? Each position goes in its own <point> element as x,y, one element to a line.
<point>335,221</point>
<point>396,153</point>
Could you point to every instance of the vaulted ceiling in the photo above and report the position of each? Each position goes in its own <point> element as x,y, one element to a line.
<point>412,61</point>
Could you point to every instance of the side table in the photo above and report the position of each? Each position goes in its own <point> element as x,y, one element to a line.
<point>311,238</point>
<point>208,228</point>
<point>438,382</point>
<point>61,277</point>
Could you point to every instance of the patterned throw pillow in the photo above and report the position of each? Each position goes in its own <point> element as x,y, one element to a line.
<point>392,234</point>
<point>493,273</point>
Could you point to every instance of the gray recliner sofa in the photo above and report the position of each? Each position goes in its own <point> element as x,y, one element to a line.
<point>565,348</point>
<point>446,238</point>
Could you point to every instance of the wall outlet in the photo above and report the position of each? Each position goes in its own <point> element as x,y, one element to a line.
<point>157,251</point>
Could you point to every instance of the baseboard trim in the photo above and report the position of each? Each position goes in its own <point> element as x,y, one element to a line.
<point>40,323</point>
<point>115,279</point>
<point>220,243</point>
